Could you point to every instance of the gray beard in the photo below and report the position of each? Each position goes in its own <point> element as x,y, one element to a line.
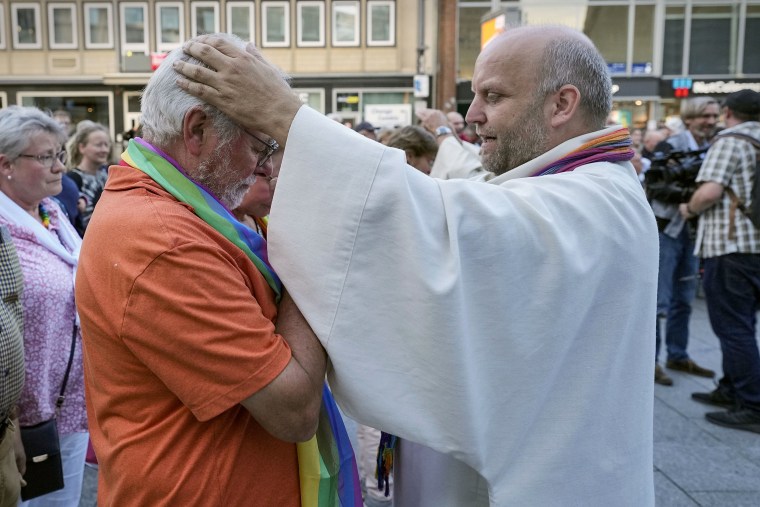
<point>524,143</point>
<point>217,169</point>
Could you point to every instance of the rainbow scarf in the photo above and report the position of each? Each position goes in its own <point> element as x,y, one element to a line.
<point>167,173</point>
<point>326,463</point>
<point>613,147</point>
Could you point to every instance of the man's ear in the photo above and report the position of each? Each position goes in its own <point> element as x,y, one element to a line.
<point>196,130</point>
<point>5,165</point>
<point>564,105</point>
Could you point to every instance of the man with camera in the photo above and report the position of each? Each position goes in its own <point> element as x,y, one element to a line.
<point>729,243</point>
<point>677,280</point>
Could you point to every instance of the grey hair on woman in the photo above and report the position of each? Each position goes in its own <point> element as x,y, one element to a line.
<point>163,104</point>
<point>572,60</point>
<point>84,129</point>
<point>19,124</point>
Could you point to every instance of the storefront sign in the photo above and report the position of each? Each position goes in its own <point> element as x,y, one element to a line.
<point>388,115</point>
<point>710,87</point>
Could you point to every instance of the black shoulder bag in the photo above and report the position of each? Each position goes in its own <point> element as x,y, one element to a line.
<point>44,470</point>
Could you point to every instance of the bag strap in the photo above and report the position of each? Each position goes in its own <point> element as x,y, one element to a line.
<point>737,203</point>
<point>61,396</point>
<point>745,137</point>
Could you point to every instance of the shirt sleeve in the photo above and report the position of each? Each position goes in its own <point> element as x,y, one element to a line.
<point>212,346</point>
<point>456,160</point>
<point>721,162</point>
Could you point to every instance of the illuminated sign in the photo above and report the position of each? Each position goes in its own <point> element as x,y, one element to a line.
<point>491,28</point>
<point>722,86</point>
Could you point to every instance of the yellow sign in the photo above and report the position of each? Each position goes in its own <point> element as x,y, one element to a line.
<point>491,28</point>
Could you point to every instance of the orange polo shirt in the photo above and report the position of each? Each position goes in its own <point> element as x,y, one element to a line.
<point>178,329</point>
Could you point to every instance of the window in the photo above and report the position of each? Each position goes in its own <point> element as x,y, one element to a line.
<point>275,24</point>
<point>205,18</point>
<point>751,59</point>
<point>311,23</point>
<point>240,20</point>
<point>643,40</point>
<point>381,23</point>
<point>469,38</point>
<point>26,26</point>
<point>713,33</point>
<point>672,55</point>
<point>170,29</point>
<point>312,97</point>
<point>345,23</point>
<point>607,26</point>
<point>2,30</point>
<point>86,105</point>
<point>62,26</point>
<point>134,27</point>
<point>98,20</point>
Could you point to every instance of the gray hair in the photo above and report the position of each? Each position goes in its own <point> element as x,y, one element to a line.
<point>19,124</point>
<point>575,60</point>
<point>694,107</point>
<point>164,104</point>
<point>84,129</point>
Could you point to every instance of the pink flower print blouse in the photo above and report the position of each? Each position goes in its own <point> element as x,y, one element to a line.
<point>49,310</point>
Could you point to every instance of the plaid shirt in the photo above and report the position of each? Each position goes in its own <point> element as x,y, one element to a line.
<point>11,326</point>
<point>729,162</point>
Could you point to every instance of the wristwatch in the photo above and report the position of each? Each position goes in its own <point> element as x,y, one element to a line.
<point>442,131</point>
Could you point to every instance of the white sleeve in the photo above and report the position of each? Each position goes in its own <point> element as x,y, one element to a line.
<point>456,160</point>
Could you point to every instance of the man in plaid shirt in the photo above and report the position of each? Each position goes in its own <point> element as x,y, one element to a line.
<point>729,244</point>
<point>11,370</point>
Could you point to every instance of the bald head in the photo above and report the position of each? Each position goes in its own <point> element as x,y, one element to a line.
<point>456,120</point>
<point>535,88</point>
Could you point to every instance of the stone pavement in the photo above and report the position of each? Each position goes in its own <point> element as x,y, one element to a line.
<point>697,463</point>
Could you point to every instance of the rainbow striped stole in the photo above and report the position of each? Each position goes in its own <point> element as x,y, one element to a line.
<point>327,466</point>
<point>613,147</point>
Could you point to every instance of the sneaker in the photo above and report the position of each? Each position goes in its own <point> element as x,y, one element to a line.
<point>738,419</point>
<point>719,397</point>
<point>689,366</point>
<point>660,377</point>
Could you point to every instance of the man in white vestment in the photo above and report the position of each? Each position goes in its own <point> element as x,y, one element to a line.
<point>505,324</point>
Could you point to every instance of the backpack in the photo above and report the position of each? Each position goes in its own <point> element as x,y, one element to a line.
<point>753,210</point>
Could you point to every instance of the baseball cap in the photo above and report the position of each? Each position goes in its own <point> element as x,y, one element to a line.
<point>744,102</point>
<point>365,125</point>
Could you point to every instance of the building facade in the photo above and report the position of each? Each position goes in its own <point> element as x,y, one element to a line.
<point>359,58</point>
<point>657,51</point>
<point>92,58</point>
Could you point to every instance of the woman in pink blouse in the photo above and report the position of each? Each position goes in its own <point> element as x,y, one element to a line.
<point>31,167</point>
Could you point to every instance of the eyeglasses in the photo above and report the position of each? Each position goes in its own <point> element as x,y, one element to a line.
<point>264,155</point>
<point>49,160</point>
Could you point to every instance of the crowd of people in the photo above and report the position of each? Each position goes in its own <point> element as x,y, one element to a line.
<point>477,293</point>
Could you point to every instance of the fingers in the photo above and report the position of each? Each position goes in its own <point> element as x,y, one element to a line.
<point>196,89</point>
<point>211,49</point>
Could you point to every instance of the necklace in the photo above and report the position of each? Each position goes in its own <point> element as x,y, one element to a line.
<point>44,216</point>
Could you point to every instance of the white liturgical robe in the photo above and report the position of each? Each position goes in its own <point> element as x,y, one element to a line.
<point>508,324</point>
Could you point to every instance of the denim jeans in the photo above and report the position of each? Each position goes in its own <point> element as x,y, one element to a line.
<point>676,288</point>
<point>732,291</point>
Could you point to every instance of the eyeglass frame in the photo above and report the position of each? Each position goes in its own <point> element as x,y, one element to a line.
<point>62,156</point>
<point>271,149</point>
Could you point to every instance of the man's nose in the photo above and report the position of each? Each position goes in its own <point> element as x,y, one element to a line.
<point>474,113</point>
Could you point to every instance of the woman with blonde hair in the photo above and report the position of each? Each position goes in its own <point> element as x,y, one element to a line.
<point>89,152</point>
